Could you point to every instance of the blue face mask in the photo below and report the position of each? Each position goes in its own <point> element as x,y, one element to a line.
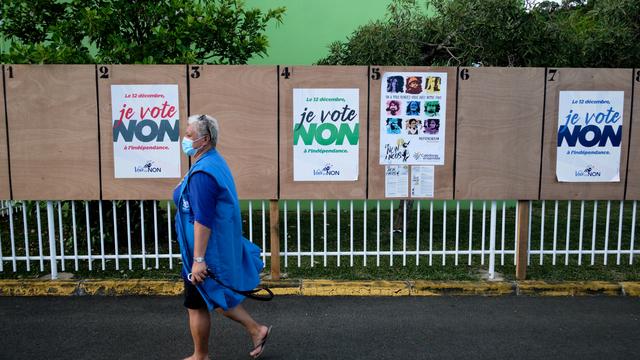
<point>187,146</point>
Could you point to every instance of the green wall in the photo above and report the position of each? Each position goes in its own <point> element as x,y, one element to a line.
<point>309,26</point>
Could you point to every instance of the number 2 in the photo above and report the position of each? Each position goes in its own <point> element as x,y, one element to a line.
<point>104,72</point>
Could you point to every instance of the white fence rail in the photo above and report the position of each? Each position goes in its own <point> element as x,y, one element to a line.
<point>119,235</point>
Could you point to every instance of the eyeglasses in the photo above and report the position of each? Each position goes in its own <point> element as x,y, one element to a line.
<point>204,118</point>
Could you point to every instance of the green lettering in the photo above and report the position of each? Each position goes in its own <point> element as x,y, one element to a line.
<point>352,136</point>
<point>335,135</point>
<point>305,133</point>
<point>320,131</point>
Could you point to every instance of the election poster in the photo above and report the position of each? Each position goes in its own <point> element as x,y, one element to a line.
<point>413,118</point>
<point>146,131</point>
<point>589,136</point>
<point>326,133</point>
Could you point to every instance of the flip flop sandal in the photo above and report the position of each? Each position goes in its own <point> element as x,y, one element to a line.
<point>262,343</point>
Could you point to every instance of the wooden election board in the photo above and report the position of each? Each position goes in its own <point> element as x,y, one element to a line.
<point>5,186</point>
<point>53,132</point>
<point>136,189</point>
<point>443,182</point>
<point>582,79</point>
<point>333,77</point>
<point>633,174</point>
<point>499,131</point>
<point>244,100</point>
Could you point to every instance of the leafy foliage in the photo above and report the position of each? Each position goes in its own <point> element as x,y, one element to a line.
<point>134,31</point>
<point>579,33</point>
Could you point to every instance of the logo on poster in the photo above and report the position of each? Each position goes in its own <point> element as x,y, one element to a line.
<point>148,168</point>
<point>326,171</point>
<point>588,171</point>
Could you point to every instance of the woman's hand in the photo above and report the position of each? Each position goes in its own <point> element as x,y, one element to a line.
<point>198,273</point>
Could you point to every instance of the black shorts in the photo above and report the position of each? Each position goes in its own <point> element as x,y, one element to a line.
<point>192,297</point>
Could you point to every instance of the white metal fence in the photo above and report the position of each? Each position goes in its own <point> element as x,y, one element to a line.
<point>119,235</point>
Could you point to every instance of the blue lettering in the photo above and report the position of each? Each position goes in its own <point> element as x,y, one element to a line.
<point>150,124</point>
<point>156,133</point>
<point>581,135</point>
<point>608,133</point>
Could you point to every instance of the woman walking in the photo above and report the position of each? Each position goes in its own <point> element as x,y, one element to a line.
<point>209,231</point>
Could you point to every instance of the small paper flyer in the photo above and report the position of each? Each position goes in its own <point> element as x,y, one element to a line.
<point>396,181</point>
<point>422,181</point>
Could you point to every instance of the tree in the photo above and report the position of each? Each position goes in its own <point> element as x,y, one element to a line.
<point>130,31</point>
<point>580,33</point>
<point>134,31</point>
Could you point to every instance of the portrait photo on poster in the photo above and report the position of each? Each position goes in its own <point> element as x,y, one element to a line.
<point>393,107</point>
<point>412,126</point>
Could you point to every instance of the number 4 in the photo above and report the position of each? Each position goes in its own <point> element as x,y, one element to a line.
<point>285,73</point>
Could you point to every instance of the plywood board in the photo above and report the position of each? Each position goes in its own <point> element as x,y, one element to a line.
<point>5,187</point>
<point>53,132</point>
<point>320,77</point>
<point>633,173</point>
<point>499,133</point>
<point>136,189</point>
<point>582,79</point>
<point>244,100</point>
<point>443,182</point>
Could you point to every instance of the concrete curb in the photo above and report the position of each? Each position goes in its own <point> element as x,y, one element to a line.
<point>114,287</point>
<point>577,288</point>
<point>143,287</point>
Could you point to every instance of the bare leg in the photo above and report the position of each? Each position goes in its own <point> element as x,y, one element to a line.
<point>256,331</point>
<point>200,325</point>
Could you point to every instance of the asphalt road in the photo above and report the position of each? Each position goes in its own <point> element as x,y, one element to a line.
<point>328,328</point>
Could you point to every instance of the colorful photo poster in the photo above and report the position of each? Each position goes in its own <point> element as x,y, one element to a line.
<point>413,118</point>
<point>589,136</point>
<point>396,181</point>
<point>326,133</point>
<point>422,181</point>
<point>146,131</point>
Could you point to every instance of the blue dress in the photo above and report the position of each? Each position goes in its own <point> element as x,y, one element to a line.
<point>234,259</point>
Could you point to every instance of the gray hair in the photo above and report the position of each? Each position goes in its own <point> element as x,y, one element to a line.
<point>205,125</point>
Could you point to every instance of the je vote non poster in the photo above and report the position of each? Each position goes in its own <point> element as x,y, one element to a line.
<point>326,134</point>
<point>146,131</point>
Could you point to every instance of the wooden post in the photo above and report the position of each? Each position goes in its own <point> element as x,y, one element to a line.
<point>523,238</point>
<point>274,222</point>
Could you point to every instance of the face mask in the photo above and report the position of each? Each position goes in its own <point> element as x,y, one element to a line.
<point>187,146</point>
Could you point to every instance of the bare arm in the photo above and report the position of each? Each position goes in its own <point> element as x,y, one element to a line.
<point>201,235</point>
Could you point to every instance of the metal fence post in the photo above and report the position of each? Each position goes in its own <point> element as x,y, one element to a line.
<point>52,240</point>
<point>523,238</point>
<point>274,222</point>
<point>492,241</point>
